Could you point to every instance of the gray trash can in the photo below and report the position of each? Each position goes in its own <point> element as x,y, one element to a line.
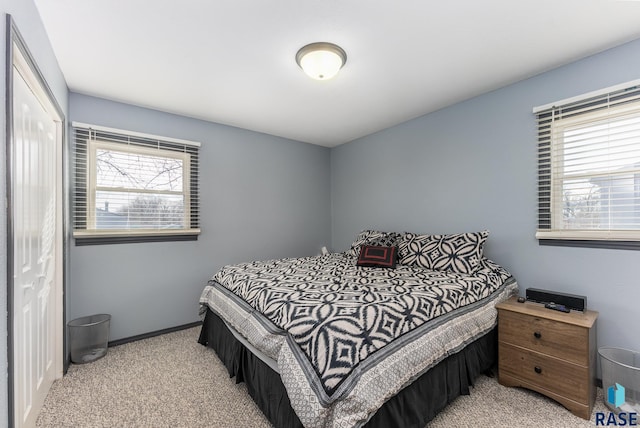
<point>620,379</point>
<point>89,338</point>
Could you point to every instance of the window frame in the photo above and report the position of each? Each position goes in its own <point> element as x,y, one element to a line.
<point>613,102</point>
<point>138,143</point>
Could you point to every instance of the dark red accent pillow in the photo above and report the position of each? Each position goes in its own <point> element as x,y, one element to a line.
<point>375,256</point>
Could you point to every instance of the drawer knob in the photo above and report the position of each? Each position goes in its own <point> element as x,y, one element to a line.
<point>537,334</point>
<point>537,369</point>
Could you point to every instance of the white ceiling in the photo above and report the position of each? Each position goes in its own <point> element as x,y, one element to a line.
<point>233,61</point>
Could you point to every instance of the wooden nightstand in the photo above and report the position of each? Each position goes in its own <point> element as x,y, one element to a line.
<point>551,352</point>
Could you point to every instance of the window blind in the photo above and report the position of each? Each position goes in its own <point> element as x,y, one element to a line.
<point>589,166</point>
<point>133,185</point>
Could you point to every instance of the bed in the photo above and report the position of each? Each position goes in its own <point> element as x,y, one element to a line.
<point>338,341</point>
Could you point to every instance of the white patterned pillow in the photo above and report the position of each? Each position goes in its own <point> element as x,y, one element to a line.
<point>460,253</point>
<point>374,237</point>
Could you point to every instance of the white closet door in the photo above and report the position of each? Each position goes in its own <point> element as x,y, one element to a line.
<point>36,239</point>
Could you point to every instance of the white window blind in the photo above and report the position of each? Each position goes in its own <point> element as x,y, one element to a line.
<point>132,187</point>
<point>589,167</point>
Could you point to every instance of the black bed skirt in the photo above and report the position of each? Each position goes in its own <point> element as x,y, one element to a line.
<point>413,407</point>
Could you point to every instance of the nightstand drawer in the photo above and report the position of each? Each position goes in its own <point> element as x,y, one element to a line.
<point>550,374</point>
<point>565,341</point>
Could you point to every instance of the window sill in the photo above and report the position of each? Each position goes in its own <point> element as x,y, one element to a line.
<point>586,243</point>
<point>130,237</point>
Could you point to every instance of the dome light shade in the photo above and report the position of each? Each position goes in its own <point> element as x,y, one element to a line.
<point>321,61</point>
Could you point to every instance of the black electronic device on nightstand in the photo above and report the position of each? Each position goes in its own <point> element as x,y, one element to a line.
<point>570,301</point>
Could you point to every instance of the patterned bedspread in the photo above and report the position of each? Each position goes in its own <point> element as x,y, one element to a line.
<point>346,338</point>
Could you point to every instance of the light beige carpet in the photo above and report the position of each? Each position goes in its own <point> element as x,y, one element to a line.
<point>172,381</point>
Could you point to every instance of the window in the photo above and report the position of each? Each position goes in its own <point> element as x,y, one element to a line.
<point>131,187</point>
<point>589,169</point>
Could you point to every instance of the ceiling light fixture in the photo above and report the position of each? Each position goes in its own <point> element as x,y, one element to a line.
<point>322,60</point>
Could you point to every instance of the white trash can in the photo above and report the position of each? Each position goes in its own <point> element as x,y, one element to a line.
<point>620,379</point>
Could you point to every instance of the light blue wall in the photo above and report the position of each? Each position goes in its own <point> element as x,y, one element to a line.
<point>262,197</point>
<point>27,19</point>
<point>472,166</point>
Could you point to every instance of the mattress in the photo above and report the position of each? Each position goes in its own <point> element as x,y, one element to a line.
<point>345,338</point>
<point>412,407</point>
